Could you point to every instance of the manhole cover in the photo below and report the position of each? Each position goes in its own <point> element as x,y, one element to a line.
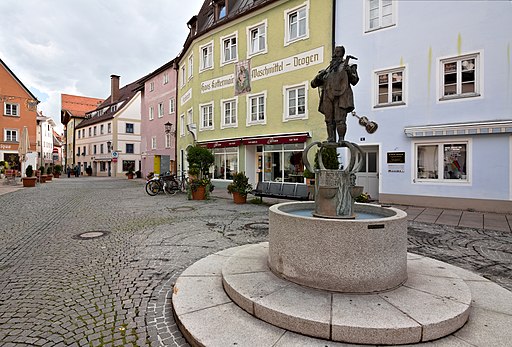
<point>90,235</point>
<point>183,209</point>
<point>257,226</point>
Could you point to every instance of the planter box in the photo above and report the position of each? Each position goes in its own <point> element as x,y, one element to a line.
<point>199,193</point>
<point>29,182</point>
<point>239,198</point>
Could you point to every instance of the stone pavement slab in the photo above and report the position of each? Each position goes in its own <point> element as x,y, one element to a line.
<point>472,219</point>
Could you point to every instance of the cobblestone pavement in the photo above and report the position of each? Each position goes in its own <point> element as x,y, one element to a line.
<point>57,289</point>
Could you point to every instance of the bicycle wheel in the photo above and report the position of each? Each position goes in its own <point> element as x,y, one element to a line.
<point>153,187</point>
<point>171,187</point>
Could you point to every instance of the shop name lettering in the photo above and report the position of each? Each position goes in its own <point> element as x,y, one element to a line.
<point>217,83</point>
<point>296,62</point>
<point>5,146</point>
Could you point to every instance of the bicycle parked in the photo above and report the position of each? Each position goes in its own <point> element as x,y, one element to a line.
<point>167,183</point>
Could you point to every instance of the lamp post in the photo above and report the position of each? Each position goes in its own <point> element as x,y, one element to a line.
<point>109,148</point>
<point>168,131</point>
<point>168,127</point>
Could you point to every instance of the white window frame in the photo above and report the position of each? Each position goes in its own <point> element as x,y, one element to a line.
<point>160,110</point>
<point>263,24</point>
<point>153,142</point>
<point>166,78</point>
<point>109,128</point>
<point>478,56</point>
<point>190,116</point>
<point>202,107</point>
<point>168,140</point>
<point>440,161</point>
<point>172,105</point>
<point>151,86</point>
<point>9,138</point>
<point>382,3</point>
<point>390,72</point>
<point>286,101</point>
<point>190,66</point>
<point>183,74</point>
<point>223,103</point>
<point>229,37</point>
<point>254,96</point>
<point>287,14</point>
<point>208,47</point>
<point>102,129</point>
<point>151,113</point>
<point>182,124</point>
<point>12,105</point>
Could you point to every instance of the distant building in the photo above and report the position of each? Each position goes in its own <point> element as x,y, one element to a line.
<point>437,79</point>
<point>73,109</point>
<point>158,112</point>
<point>108,139</point>
<point>18,110</point>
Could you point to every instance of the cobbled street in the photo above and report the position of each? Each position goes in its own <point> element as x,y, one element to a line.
<point>60,289</point>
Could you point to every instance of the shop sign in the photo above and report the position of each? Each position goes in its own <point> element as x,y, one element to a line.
<point>275,140</point>
<point>222,144</point>
<point>396,157</point>
<point>2,146</point>
<point>186,97</point>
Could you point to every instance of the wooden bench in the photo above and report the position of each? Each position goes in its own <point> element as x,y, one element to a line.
<point>279,190</point>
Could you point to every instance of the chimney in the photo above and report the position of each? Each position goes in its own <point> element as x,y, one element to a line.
<point>114,88</point>
<point>192,25</point>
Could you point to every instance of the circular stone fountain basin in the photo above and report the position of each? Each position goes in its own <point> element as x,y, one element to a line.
<point>362,255</point>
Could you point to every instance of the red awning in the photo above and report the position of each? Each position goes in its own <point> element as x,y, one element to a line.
<point>275,140</point>
<point>221,144</point>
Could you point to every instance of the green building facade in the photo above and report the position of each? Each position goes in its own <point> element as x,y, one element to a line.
<point>244,86</point>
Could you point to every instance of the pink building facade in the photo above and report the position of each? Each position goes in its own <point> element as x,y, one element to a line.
<point>158,146</point>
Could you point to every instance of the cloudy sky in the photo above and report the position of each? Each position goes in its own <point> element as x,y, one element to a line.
<point>73,46</point>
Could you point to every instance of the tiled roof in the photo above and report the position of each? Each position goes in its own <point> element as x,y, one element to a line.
<point>78,105</point>
<point>126,93</point>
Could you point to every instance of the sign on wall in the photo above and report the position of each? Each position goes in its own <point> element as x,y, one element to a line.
<point>396,161</point>
<point>243,79</point>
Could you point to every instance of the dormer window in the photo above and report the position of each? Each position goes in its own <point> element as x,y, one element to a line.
<point>220,9</point>
<point>113,108</point>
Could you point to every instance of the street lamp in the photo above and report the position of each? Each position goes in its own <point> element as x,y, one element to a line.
<point>168,128</point>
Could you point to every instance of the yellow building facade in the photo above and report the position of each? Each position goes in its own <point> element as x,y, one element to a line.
<point>244,86</point>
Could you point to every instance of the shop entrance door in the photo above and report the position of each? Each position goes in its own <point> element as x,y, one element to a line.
<point>368,176</point>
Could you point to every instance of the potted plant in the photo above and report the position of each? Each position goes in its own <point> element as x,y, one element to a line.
<point>200,159</point>
<point>138,174</point>
<point>129,173</point>
<point>42,175</point>
<point>88,170</point>
<point>57,170</point>
<point>240,187</point>
<point>49,174</point>
<point>29,180</point>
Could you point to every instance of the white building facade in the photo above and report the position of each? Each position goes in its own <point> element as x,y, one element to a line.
<point>437,79</point>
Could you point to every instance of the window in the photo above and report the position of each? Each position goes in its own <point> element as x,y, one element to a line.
<point>128,164</point>
<point>171,105</point>
<point>167,140</point>
<point>11,109</point>
<point>84,152</point>
<point>94,149</point>
<point>256,112</point>
<point>103,166</point>
<point>102,129</point>
<point>83,133</point>
<point>295,102</point>
<point>190,116</point>
<point>90,132</point>
<point>442,161</point>
<point>153,142</point>
<point>160,110</point>
<point>390,87</point>
<point>206,56</point>
<point>151,86</point>
<point>190,66</point>
<point>102,148</point>
<point>182,125</point>
<point>229,108</point>
<point>379,14</point>
<point>166,78</point>
<point>78,133</point>
<point>257,39</point>
<point>226,163</point>
<point>151,113</point>
<point>113,108</point>
<point>129,128</point>
<point>229,49</point>
<point>11,135</point>
<point>109,128</point>
<point>206,117</point>
<point>297,26</point>
<point>283,163</point>
<point>460,77</point>
<point>183,76</point>
<point>129,148</point>
<point>94,130</point>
